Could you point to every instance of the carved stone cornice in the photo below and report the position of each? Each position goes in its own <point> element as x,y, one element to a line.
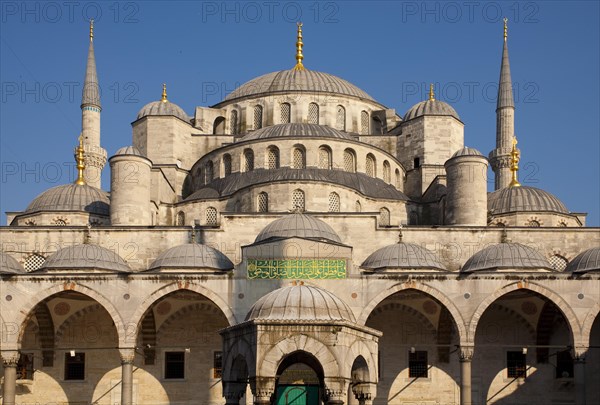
<point>10,358</point>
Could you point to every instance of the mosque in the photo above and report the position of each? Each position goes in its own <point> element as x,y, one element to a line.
<point>298,243</point>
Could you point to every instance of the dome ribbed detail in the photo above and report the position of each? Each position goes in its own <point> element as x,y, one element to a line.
<point>72,197</point>
<point>296,81</point>
<point>8,265</point>
<point>430,107</point>
<point>524,198</point>
<point>296,130</point>
<point>512,256</point>
<point>467,152</point>
<point>86,257</point>
<point>298,225</point>
<point>163,108</point>
<point>192,256</point>
<point>128,150</point>
<point>402,256</point>
<point>300,303</point>
<point>588,260</point>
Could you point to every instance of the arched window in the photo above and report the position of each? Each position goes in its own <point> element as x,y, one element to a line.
<point>398,179</point>
<point>533,223</point>
<point>334,202</point>
<point>298,158</point>
<point>558,262</point>
<point>262,202</point>
<point>349,161</point>
<point>34,262</point>
<point>286,113</point>
<point>211,216</point>
<point>272,157</point>
<point>324,157</point>
<point>340,118</point>
<point>233,122</point>
<point>208,172</point>
<point>60,222</point>
<point>180,219</point>
<point>370,166</point>
<point>248,160</point>
<point>387,171</point>
<point>357,206</point>
<point>313,113</point>
<point>298,201</point>
<point>258,117</point>
<point>219,126</point>
<point>227,164</point>
<point>364,122</point>
<point>384,217</point>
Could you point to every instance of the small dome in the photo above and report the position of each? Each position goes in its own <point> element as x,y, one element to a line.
<point>163,108</point>
<point>192,256</point>
<point>297,81</point>
<point>467,152</point>
<point>128,150</point>
<point>296,130</point>
<point>402,256</point>
<point>588,260</point>
<point>298,225</point>
<point>8,265</point>
<point>72,197</point>
<point>86,257</point>
<point>523,198</point>
<point>513,256</point>
<point>430,107</point>
<point>300,303</point>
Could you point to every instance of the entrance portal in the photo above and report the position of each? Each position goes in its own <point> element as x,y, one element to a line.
<point>298,382</point>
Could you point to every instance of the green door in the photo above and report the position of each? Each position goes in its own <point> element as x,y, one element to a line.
<point>297,395</point>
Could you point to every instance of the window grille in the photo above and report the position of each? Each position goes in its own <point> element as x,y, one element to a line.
<point>387,172</point>
<point>174,365</point>
<point>349,161</point>
<point>208,172</point>
<point>273,158</point>
<point>233,122</point>
<point>516,364</point>
<point>286,113</point>
<point>211,216</point>
<point>340,118</point>
<point>298,202</point>
<point>364,122</point>
<point>34,262</point>
<point>180,220</point>
<point>370,166</point>
<point>299,161</point>
<point>313,113</point>
<point>263,202</point>
<point>384,217</point>
<point>334,202</point>
<point>60,222</point>
<point>258,117</point>
<point>248,160</point>
<point>324,158</point>
<point>558,262</point>
<point>227,164</point>
<point>533,223</point>
<point>75,366</point>
<point>417,364</point>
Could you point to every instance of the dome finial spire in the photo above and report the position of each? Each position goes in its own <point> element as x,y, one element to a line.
<point>80,159</point>
<point>515,156</point>
<point>299,45</point>
<point>163,98</point>
<point>431,93</point>
<point>505,28</point>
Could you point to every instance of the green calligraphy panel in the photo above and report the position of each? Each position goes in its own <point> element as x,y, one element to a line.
<point>312,269</point>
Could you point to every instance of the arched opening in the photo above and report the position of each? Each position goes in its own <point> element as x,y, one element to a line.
<point>592,359</point>
<point>324,157</point>
<point>273,157</point>
<point>419,338</point>
<point>248,161</point>
<point>387,172</point>
<point>219,126</point>
<point>208,172</point>
<point>180,219</point>
<point>377,126</point>
<point>300,380</point>
<point>233,122</point>
<point>334,202</point>
<point>298,200</point>
<point>340,118</point>
<point>522,347</point>
<point>262,202</point>
<point>384,217</point>
<point>258,117</point>
<point>211,217</point>
<point>364,122</point>
<point>349,161</point>
<point>298,157</point>
<point>226,164</point>
<point>286,113</point>
<point>313,113</point>
<point>370,166</point>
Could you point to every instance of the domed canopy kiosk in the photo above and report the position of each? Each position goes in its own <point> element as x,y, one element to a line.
<point>299,341</point>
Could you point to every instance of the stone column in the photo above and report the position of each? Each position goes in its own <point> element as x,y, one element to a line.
<point>233,392</point>
<point>466,357</point>
<point>263,389</point>
<point>579,377</point>
<point>127,357</point>
<point>336,391</point>
<point>10,359</point>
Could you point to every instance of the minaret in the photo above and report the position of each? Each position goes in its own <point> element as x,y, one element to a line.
<point>500,158</point>
<point>95,155</point>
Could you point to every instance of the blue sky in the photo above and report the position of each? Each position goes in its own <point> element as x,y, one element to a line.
<point>392,50</point>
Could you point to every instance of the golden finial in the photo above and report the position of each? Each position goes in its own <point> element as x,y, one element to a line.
<point>431,93</point>
<point>515,156</point>
<point>505,28</point>
<point>91,30</point>
<point>79,158</point>
<point>299,44</point>
<point>164,93</point>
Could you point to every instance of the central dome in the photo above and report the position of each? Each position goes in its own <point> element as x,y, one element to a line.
<point>301,303</point>
<point>296,130</point>
<point>301,81</point>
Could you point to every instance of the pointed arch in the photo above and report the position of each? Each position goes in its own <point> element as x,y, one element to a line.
<point>588,323</point>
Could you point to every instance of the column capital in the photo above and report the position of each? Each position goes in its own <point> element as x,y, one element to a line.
<point>579,353</point>
<point>233,392</point>
<point>10,358</point>
<point>466,353</point>
<point>262,388</point>
<point>336,390</point>
<point>127,355</point>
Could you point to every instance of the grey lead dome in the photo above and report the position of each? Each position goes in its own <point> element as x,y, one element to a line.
<point>86,257</point>
<point>588,260</point>
<point>523,198</point>
<point>430,107</point>
<point>298,225</point>
<point>511,256</point>
<point>8,265</point>
<point>296,130</point>
<point>192,256</point>
<point>128,150</point>
<point>402,256</point>
<point>300,303</point>
<point>163,108</point>
<point>72,197</point>
<point>467,152</point>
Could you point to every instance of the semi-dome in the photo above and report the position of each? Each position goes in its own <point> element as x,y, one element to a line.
<point>405,256</point>
<point>296,81</point>
<point>298,225</point>
<point>163,107</point>
<point>467,152</point>
<point>192,256</point>
<point>430,107</point>
<point>85,257</point>
<point>588,260</point>
<point>511,256</point>
<point>523,198</point>
<point>296,130</point>
<point>300,303</point>
<point>72,197</point>
<point>8,265</point>
<point>128,150</point>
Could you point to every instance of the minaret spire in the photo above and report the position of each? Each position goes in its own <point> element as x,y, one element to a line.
<point>500,158</point>
<point>91,89</point>
<point>299,45</point>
